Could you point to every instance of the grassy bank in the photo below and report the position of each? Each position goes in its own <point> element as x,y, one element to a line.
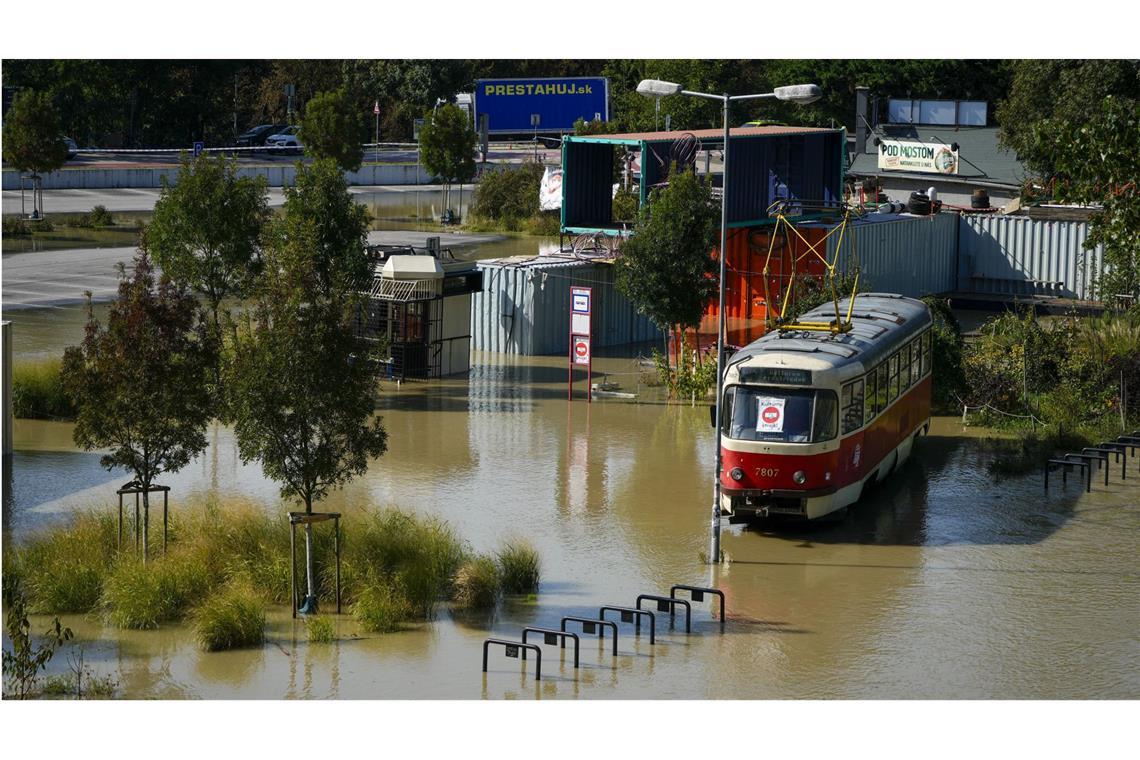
<point>224,565</point>
<point>37,391</point>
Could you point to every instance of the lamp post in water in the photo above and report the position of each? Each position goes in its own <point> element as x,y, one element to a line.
<point>799,93</point>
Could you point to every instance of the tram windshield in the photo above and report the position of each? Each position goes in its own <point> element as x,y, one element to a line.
<point>785,415</point>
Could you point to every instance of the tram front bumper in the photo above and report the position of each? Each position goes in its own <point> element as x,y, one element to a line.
<point>748,504</point>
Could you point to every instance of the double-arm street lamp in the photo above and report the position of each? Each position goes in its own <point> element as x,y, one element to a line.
<point>798,93</point>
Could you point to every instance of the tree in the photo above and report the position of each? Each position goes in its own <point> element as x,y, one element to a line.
<point>447,146</point>
<point>206,229</point>
<point>298,387</point>
<point>1096,162</point>
<point>333,127</point>
<point>32,139</point>
<point>666,268</point>
<point>140,384</point>
<point>339,227</point>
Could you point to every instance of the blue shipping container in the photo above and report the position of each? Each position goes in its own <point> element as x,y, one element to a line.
<point>558,102</point>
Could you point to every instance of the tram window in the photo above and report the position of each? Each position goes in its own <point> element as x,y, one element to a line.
<point>881,388</point>
<point>893,371</point>
<point>782,415</point>
<point>904,368</point>
<point>726,410</point>
<point>852,406</point>
<point>926,353</point>
<point>869,401</point>
<point>915,360</point>
<point>826,416</point>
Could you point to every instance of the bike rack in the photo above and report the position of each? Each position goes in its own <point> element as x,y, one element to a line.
<point>1065,464</point>
<point>1105,453</point>
<point>513,648</point>
<point>697,594</point>
<point>1101,462</point>
<point>669,604</point>
<point>589,624</point>
<point>1118,446</point>
<point>552,637</point>
<point>1132,441</point>
<point>632,615</point>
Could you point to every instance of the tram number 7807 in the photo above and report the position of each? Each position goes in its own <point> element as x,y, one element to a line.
<point>768,472</point>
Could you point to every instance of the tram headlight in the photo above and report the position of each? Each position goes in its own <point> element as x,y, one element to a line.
<point>799,476</point>
<point>736,474</point>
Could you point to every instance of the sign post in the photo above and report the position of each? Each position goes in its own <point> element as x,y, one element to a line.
<point>580,348</point>
<point>199,146</point>
<point>376,112</point>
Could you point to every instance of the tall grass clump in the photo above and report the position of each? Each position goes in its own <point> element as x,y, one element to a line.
<point>231,618</point>
<point>380,608</point>
<point>320,629</point>
<point>519,566</point>
<point>37,391</point>
<point>418,556</point>
<point>478,583</point>
<point>63,569</point>
<point>138,596</point>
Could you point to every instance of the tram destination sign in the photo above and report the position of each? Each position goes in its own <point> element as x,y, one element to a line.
<point>779,375</point>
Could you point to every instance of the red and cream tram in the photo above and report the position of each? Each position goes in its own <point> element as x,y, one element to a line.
<point>810,418</point>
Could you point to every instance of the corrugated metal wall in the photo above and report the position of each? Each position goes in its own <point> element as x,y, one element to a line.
<point>908,255</point>
<point>1018,255</point>
<point>526,309</point>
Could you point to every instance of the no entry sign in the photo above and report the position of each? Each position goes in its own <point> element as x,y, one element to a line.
<point>770,414</point>
<point>581,349</point>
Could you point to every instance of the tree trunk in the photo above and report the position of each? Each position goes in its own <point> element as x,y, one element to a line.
<point>311,593</point>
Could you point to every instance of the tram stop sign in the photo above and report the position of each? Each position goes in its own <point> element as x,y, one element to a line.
<point>581,349</point>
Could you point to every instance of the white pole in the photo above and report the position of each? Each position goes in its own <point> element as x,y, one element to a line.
<point>714,541</point>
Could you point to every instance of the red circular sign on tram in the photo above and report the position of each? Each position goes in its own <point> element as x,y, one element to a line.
<point>770,414</point>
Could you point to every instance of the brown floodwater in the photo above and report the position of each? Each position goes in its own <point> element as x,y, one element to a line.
<point>943,583</point>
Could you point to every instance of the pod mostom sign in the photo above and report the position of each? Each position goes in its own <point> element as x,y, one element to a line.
<point>909,155</point>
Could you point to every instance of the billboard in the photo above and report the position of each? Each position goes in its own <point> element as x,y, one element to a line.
<point>512,104</point>
<point>910,155</point>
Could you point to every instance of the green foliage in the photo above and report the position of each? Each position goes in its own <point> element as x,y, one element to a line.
<point>63,569</point>
<point>15,226</point>
<point>144,596</point>
<point>447,145</point>
<point>478,583</point>
<point>380,608</point>
<point>320,210</point>
<point>206,228</point>
<point>232,618</point>
<point>320,629</point>
<point>32,138</point>
<point>519,567</point>
<point>23,661</point>
<point>508,196</point>
<point>666,268</point>
<point>334,128</point>
<point>38,392</point>
<point>625,205</point>
<point>140,383</point>
<point>691,377</point>
<point>949,380</point>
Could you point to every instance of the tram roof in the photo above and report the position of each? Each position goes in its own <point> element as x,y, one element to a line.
<point>876,319</point>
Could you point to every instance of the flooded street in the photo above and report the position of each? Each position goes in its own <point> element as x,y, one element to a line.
<point>943,583</point>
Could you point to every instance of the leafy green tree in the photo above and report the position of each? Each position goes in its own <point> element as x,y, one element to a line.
<point>1096,162</point>
<point>1043,93</point>
<point>298,386</point>
<point>447,146</point>
<point>32,139</point>
<point>141,384</point>
<point>24,661</point>
<point>339,233</point>
<point>666,267</point>
<point>206,229</point>
<point>333,127</point>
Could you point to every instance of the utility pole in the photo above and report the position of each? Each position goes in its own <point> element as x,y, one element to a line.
<point>376,113</point>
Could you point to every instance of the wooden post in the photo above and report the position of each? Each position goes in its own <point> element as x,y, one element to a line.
<point>293,566</point>
<point>164,520</point>
<point>120,521</point>
<point>336,546</point>
<point>138,526</point>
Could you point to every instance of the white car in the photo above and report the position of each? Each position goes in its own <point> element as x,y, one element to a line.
<point>286,139</point>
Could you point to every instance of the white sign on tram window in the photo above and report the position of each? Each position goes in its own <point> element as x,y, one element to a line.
<point>769,414</point>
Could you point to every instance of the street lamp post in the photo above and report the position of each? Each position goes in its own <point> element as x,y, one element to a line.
<point>802,94</point>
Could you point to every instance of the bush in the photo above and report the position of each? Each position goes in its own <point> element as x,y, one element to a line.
<point>508,196</point>
<point>379,608</point>
<point>97,217</point>
<point>63,569</point>
<point>15,226</point>
<point>320,629</point>
<point>519,567</point>
<point>626,203</point>
<point>949,381</point>
<point>37,391</point>
<point>138,596</point>
<point>477,584</point>
<point>231,618</point>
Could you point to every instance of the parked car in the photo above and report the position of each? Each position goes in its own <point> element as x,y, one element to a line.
<point>286,139</point>
<point>72,148</point>
<point>256,136</point>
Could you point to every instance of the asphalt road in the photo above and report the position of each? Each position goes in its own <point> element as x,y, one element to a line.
<point>47,279</point>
